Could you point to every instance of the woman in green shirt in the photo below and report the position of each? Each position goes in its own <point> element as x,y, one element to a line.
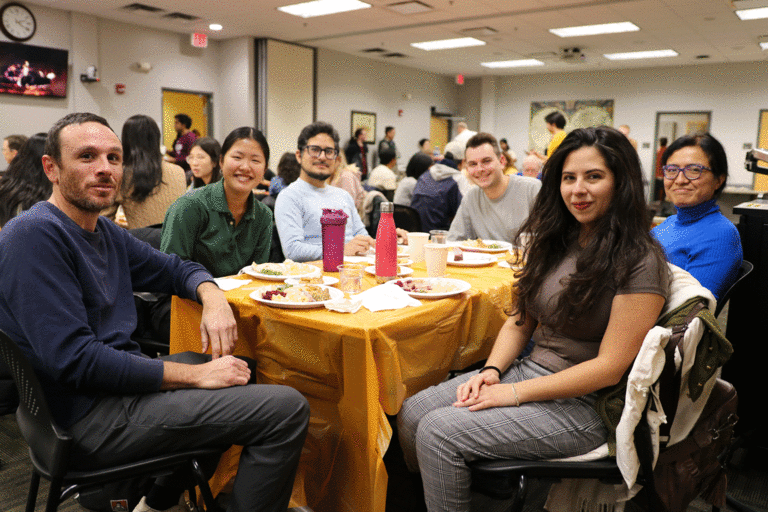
<point>223,226</point>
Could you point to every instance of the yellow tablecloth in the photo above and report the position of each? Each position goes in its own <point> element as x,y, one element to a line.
<point>353,368</point>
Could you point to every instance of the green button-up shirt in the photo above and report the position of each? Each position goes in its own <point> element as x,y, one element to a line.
<point>199,227</point>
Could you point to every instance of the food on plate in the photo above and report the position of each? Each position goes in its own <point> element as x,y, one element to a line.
<point>297,293</point>
<point>287,268</point>
<point>426,286</point>
<point>311,280</point>
<point>458,255</point>
<point>480,244</point>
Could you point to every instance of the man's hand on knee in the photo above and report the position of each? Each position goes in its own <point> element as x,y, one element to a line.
<point>219,373</point>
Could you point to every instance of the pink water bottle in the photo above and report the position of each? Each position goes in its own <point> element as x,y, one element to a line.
<point>333,223</point>
<point>386,245</point>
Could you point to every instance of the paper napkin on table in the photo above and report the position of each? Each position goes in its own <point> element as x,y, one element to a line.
<point>345,304</point>
<point>228,283</point>
<point>386,296</point>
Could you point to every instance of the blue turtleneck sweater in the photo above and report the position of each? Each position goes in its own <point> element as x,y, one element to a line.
<point>702,241</point>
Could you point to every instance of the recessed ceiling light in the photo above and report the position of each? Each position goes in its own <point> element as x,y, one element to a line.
<point>752,14</point>
<point>764,45</point>
<point>323,7</point>
<point>215,26</point>
<point>652,54</point>
<point>593,30</point>
<point>512,63</point>
<point>447,44</point>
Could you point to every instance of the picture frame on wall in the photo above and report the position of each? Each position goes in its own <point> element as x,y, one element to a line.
<point>365,120</point>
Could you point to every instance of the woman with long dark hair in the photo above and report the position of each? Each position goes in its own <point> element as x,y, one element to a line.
<point>203,162</point>
<point>223,226</point>
<point>150,184</point>
<point>593,284</point>
<point>24,182</point>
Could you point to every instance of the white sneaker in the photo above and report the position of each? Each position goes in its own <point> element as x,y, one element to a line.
<point>143,507</point>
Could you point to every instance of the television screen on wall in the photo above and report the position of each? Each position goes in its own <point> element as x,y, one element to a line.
<point>33,70</point>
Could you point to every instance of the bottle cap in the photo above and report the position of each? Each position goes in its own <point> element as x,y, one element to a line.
<point>387,207</point>
<point>331,216</point>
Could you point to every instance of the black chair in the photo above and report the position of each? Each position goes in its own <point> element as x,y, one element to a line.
<point>407,218</point>
<point>49,445</point>
<point>744,271</point>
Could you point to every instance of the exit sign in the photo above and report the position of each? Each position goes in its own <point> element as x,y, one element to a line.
<point>200,40</point>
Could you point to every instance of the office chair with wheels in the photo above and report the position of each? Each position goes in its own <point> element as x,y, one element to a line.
<point>744,271</point>
<point>49,445</point>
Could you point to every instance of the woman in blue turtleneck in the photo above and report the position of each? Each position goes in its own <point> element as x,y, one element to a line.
<point>699,238</point>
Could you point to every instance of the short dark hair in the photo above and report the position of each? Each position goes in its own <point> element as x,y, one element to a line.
<point>422,141</point>
<point>184,119</point>
<point>555,118</point>
<point>481,138</point>
<point>715,152</point>
<point>288,168</point>
<point>663,141</point>
<point>388,129</point>
<point>503,140</point>
<point>246,132</point>
<point>212,147</point>
<point>53,139</point>
<point>386,156</point>
<point>358,132</point>
<point>16,141</point>
<point>317,128</point>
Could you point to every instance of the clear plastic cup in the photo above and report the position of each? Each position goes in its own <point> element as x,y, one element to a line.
<point>350,278</point>
<point>439,236</point>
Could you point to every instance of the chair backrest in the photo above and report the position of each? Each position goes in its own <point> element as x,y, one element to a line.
<point>744,271</point>
<point>46,440</point>
<point>407,218</point>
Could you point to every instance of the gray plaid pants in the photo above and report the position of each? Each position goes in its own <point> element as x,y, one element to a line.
<point>437,438</point>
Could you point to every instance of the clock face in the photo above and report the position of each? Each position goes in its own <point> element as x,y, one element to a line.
<point>18,23</point>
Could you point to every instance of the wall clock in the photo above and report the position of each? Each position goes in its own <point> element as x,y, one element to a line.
<point>18,22</point>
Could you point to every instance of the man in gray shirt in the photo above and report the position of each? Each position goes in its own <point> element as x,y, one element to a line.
<point>497,207</point>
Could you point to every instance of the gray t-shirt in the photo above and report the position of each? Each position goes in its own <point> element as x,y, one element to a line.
<point>498,219</point>
<point>572,344</point>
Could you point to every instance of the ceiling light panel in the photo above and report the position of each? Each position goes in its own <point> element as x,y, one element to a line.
<point>652,54</point>
<point>448,44</point>
<point>521,63</point>
<point>753,14</point>
<point>593,30</point>
<point>323,7</point>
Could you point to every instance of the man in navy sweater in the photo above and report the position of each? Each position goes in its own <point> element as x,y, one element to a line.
<point>66,298</point>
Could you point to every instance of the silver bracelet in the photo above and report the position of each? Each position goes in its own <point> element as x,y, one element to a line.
<point>517,398</point>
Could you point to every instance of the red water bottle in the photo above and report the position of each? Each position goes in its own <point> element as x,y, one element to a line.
<point>333,223</point>
<point>386,245</point>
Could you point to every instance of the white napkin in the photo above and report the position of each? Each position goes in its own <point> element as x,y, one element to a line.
<point>345,305</point>
<point>386,296</point>
<point>228,283</point>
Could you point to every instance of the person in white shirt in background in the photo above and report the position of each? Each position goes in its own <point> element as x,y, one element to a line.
<point>383,176</point>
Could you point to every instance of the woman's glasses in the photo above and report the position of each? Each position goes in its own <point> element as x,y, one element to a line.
<point>690,171</point>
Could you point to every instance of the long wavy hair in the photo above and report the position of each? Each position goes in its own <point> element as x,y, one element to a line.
<point>25,182</point>
<point>620,239</point>
<point>142,159</point>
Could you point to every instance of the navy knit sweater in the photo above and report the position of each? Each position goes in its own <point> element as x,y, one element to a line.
<point>702,241</point>
<point>66,298</point>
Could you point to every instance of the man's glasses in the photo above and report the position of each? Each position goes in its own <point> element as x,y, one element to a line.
<point>690,171</point>
<point>316,151</point>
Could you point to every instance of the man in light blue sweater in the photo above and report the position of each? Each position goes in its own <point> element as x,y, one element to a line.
<point>299,207</point>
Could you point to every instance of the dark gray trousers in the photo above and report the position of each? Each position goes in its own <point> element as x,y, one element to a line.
<point>270,422</point>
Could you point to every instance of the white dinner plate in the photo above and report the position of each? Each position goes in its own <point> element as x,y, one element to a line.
<point>401,270</point>
<point>327,280</point>
<point>502,246</point>
<point>457,286</point>
<point>267,277</point>
<point>402,250</point>
<point>472,259</point>
<point>257,296</point>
